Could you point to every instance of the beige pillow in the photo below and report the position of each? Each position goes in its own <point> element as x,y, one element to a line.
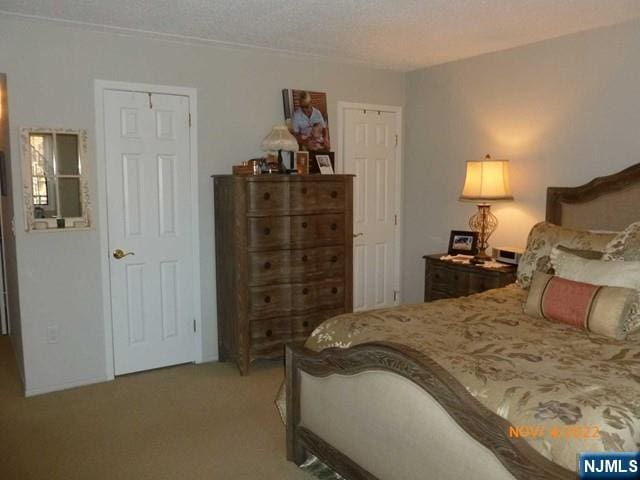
<point>599,272</point>
<point>544,236</point>
<point>599,309</point>
<point>625,245</point>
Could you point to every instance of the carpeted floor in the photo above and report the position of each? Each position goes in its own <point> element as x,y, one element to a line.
<point>188,422</point>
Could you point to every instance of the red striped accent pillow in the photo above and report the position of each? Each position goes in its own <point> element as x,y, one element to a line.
<point>600,309</point>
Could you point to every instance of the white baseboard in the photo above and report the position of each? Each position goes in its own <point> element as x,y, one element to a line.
<point>29,392</point>
<point>213,357</point>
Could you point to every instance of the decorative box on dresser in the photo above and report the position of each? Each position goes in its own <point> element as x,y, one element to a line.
<point>446,279</point>
<point>284,255</point>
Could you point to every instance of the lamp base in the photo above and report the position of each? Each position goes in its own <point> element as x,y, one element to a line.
<point>485,223</point>
<point>281,167</point>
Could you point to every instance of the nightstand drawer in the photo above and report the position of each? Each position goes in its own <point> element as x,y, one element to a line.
<point>450,279</point>
<point>480,283</point>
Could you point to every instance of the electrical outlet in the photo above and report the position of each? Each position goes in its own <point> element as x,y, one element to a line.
<point>53,334</point>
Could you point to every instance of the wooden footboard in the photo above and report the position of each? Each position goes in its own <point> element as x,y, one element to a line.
<point>482,425</point>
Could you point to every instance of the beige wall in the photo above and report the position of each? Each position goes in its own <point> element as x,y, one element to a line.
<point>51,68</point>
<point>563,111</point>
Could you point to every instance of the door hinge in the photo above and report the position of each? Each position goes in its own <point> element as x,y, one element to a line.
<point>189,120</point>
<point>395,219</point>
<point>194,324</point>
<point>396,294</point>
<point>396,139</point>
<point>150,102</point>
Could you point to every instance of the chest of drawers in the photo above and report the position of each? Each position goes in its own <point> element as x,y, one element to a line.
<point>284,260</point>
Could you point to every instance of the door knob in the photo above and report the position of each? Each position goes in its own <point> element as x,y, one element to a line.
<point>118,254</point>
<point>357,234</point>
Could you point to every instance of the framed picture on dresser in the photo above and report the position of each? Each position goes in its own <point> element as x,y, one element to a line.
<point>462,242</point>
<point>324,164</point>
<point>302,163</point>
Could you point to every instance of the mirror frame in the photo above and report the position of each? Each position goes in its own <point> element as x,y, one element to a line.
<point>33,224</point>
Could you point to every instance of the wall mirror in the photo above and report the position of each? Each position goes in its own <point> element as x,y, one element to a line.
<point>56,194</point>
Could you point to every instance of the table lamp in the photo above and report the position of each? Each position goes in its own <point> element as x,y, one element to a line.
<point>280,139</point>
<point>486,181</point>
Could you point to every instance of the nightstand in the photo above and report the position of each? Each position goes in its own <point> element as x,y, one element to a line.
<point>443,279</point>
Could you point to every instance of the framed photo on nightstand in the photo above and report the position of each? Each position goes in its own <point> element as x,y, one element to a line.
<point>462,242</point>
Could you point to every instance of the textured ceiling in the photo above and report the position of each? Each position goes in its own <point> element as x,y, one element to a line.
<point>397,34</point>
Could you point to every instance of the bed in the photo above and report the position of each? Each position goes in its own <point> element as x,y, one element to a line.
<point>386,409</point>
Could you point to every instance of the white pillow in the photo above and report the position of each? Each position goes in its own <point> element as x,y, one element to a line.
<point>596,272</point>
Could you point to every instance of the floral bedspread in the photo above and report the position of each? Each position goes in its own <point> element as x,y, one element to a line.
<point>563,389</point>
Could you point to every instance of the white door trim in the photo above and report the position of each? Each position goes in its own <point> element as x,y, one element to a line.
<point>99,87</point>
<point>342,108</point>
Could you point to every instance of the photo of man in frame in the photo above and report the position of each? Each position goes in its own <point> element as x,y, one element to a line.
<point>309,121</point>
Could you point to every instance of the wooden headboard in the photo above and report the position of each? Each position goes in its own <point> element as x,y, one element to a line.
<point>605,203</point>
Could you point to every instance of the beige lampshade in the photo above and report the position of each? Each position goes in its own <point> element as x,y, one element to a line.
<point>280,139</point>
<point>487,180</point>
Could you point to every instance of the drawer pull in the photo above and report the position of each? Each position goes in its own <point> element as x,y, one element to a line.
<point>268,333</point>
<point>266,195</point>
<point>267,265</point>
<point>333,226</point>
<point>334,290</point>
<point>334,194</point>
<point>305,224</point>
<point>305,324</point>
<point>455,277</point>
<point>304,190</point>
<point>305,291</point>
<point>334,259</point>
<point>267,299</point>
<point>437,275</point>
<point>305,258</point>
<point>266,230</point>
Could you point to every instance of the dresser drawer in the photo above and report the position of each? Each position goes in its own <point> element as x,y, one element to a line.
<point>268,337</point>
<point>269,232</point>
<point>268,267</point>
<point>280,300</point>
<point>263,197</point>
<point>323,229</point>
<point>303,325</point>
<point>269,301</point>
<point>317,195</point>
<point>324,294</point>
<point>321,262</point>
<point>295,231</point>
<point>299,265</point>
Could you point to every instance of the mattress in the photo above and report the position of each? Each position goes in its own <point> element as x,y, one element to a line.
<point>564,390</point>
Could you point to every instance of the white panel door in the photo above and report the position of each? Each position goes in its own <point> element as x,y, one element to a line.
<point>149,214</point>
<point>370,154</point>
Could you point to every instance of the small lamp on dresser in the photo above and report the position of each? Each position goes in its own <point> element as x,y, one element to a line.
<point>486,181</point>
<point>280,139</point>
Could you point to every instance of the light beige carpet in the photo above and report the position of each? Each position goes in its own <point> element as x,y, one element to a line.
<point>188,422</point>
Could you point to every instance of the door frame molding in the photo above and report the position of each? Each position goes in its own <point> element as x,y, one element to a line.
<point>397,110</point>
<point>99,88</point>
